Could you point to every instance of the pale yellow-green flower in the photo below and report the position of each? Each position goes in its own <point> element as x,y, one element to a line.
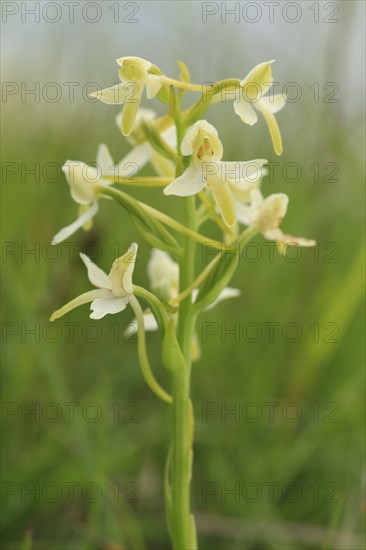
<point>251,96</point>
<point>113,291</point>
<point>135,77</point>
<point>84,181</point>
<point>206,170</point>
<point>266,215</point>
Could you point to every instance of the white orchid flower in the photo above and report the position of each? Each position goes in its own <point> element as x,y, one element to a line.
<point>251,97</point>
<point>266,214</point>
<point>135,77</point>
<point>206,169</point>
<point>113,291</point>
<point>163,274</point>
<point>84,180</point>
<point>142,153</point>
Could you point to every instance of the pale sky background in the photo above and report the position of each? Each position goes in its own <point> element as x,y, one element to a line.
<point>165,31</point>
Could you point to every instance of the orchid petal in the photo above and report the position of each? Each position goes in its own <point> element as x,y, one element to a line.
<point>270,212</point>
<point>226,294</point>
<point>257,198</point>
<point>223,196</point>
<point>82,179</point>
<point>130,258</point>
<point>189,183</point>
<point>260,76</point>
<point>242,193</point>
<point>96,276</point>
<point>250,171</point>
<point>153,85</point>
<point>243,189</point>
<point>131,107</point>
<point>142,114</point>
<point>69,230</point>
<point>150,324</point>
<point>139,61</point>
<point>131,329</point>
<point>163,273</point>
<point>104,306</point>
<point>104,160</point>
<point>134,161</point>
<point>289,240</point>
<point>245,111</point>
<point>114,95</point>
<point>274,102</point>
<point>79,301</point>
<point>170,136</point>
<point>243,213</point>
<point>272,126</point>
<point>120,275</point>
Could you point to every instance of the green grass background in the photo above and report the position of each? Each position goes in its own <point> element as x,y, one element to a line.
<point>311,452</point>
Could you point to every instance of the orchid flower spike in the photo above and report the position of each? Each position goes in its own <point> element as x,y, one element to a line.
<point>113,292</point>
<point>142,153</point>
<point>266,216</point>
<point>84,181</point>
<point>251,93</point>
<point>206,170</point>
<point>135,77</point>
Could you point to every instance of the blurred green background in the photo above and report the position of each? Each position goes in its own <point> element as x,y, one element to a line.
<point>96,473</point>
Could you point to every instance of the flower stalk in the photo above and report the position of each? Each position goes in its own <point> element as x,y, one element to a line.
<point>143,358</point>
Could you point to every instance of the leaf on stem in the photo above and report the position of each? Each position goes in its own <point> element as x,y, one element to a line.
<point>217,279</point>
<point>172,354</point>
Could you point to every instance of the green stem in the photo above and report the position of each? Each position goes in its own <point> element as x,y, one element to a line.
<point>168,491</point>
<point>183,538</point>
<point>183,528</point>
